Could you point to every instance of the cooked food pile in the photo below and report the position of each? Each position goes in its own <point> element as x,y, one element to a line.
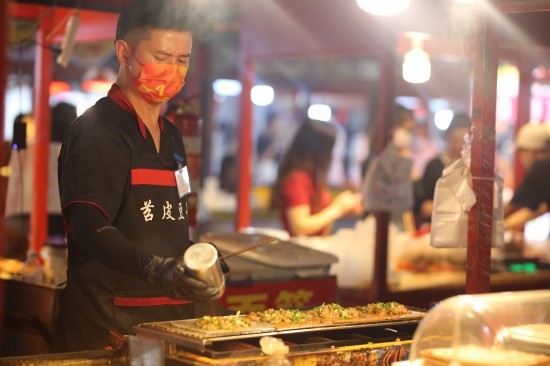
<point>323,314</point>
<point>223,322</point>
<point>384,308</point>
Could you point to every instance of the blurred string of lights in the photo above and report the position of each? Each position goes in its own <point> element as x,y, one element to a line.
<point>416,64</point>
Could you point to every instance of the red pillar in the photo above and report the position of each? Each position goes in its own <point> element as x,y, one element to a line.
<point>523,6</point>
<point>478,271</point>
<point>245,148</point>
<point>42,77</point>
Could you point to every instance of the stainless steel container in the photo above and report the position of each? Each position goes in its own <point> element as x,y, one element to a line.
<point>281,261</point>
<point>201,260</point>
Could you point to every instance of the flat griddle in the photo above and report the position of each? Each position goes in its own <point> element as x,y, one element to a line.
<point>184,333</point>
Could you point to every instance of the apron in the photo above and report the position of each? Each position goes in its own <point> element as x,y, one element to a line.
<point>99,299</point>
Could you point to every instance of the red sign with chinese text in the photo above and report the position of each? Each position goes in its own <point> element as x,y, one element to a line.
<point>289,294</point>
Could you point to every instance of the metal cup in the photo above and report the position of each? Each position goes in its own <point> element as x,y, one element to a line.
<point>201,260</point>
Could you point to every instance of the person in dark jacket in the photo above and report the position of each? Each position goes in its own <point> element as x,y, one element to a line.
<point>532,196</point>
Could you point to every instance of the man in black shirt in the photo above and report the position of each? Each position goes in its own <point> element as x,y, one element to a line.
<point>424,188</point>
<point>532,197</point>
<point>123,184</point>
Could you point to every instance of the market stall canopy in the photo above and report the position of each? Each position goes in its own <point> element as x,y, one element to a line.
<point>94,25</point>
<point>99,5</point>
<point>277,27</point>
<point>282,27</point>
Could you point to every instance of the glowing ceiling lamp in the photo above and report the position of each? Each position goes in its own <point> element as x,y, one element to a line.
<point>417,67</point>
<point>320,112</point>
<point>227,87</point>
<point>443,118</point>
<point>384,7</point>
<point>262,95</point>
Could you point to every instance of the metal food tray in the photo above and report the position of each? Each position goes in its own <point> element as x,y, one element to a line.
<point>280,254</point>
<point>184,333</point>
<point>280,260</point>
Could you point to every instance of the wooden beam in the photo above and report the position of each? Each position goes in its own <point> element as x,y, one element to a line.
<point>480,224</point>
<point>438,47</point>
<point>101,5</point>
<point>523,6</point>
<point>384,125</point>
<point>94,25</point>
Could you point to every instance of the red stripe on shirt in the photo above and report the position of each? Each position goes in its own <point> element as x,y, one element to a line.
<point>148,301</point>
<point>153,177</point>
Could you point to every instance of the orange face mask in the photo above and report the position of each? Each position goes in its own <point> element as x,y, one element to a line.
<point>158,83</point>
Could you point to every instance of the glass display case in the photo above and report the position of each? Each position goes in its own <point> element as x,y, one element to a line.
<point>506,328</point>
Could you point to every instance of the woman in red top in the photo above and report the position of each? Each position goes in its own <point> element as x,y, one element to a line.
<point>300,191</point>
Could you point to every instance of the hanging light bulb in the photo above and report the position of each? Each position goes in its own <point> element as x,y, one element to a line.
<point>384,7</point>
<point>417,68</point>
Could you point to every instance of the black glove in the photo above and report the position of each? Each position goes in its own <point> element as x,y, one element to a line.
<point>171,276</point>
<point>223,264</point>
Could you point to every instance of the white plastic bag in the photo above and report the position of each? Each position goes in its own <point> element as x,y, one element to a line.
<point>354,248</point>
<point>453,199</point>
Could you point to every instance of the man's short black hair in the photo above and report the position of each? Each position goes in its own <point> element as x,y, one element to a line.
<point>177,15</point>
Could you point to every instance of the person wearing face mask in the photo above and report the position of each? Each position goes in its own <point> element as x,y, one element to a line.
<point>403,126</point>
<point>532,196</point>
<point>123,180</point>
